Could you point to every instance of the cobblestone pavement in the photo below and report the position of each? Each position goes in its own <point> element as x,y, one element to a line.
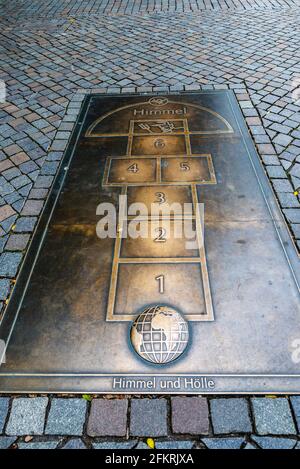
<point>88,7</point>
<point>51,53</point>
<point>127,423</point>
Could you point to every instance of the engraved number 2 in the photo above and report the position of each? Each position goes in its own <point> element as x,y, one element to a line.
<point>161,198</point>
<point>184,166</point>
<point>133,168</point>
<point>161,235</point>
<point>161,283</point>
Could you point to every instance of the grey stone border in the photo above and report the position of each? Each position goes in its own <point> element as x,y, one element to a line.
<point>171,422</point>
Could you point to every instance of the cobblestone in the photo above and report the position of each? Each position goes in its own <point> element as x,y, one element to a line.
<point>66,417</point>
<point>148,417</point>
<point>9,263</point>
<point>295,401</point>
<point>38,445</point>
<point>74,443</point>
<point>4,402</point>
<point>17,242</point>
<point>190,415</point>
<point>108,417</point>
<point>6,441</point>
<point>25,224</point>
<point>223,443</point>
<point>292,215</point>
<point>27,416</point>
<point>32,207</point>
<point>230,416</point>
<point>268,442</point>
<point>4,291</point>
<point>273,416</point>
<point>6,211</point>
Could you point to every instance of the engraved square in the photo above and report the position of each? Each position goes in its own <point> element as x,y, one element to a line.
<point>187,169</point>
<point>131,171</point>
<point>159,145</point>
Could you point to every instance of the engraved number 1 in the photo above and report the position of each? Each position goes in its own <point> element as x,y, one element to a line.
<point>161,283</point>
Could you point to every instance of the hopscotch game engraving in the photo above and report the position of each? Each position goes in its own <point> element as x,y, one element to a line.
<point>159,313</point>
<point>158,157</point>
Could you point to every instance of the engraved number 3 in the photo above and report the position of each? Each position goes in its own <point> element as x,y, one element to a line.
<point>161,198</point>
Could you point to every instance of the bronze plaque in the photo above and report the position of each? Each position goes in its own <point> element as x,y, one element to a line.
<point>161,263</point>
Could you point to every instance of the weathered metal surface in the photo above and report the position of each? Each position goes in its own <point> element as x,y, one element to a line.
<point>68,323</point>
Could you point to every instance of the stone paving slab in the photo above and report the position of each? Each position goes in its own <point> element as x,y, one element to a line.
<point>108,417</point>
<point>27,416</point>
<point>230,415</point>
<point>77,7</point>
<point>4,403</point>
<point>148,417</point>
<point>273,416</point>
<point>223,443</point>
<point>66,417</point>
<point>190,415</point>
<point>267,442</point>
<point>295,401</point>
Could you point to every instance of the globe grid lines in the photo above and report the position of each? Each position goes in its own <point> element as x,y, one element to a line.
<point>157,344</point>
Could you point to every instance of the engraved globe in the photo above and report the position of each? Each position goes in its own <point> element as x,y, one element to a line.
<point>159,334</point>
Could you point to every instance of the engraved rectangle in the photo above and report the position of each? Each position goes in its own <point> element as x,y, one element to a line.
<point>160,194</point>
<point>165,238</point>
<point>194,169</point>
<point>183,289</point>
<point>122,171</point>
<point>159,145</point>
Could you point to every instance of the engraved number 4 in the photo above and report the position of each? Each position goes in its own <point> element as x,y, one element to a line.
<point>133,168</point>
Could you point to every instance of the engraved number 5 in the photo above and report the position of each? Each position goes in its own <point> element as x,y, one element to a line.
<point>184,166</point>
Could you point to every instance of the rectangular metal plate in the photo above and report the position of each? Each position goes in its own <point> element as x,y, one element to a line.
<point>68,321</point>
